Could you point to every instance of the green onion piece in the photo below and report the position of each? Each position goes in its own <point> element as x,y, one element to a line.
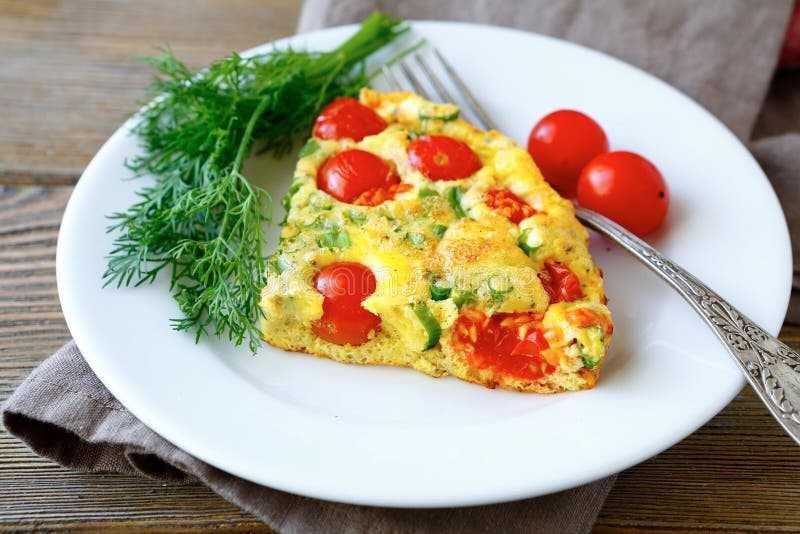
<point>287,198</point>
<point>334,239</point>
<point>320,200</point>
<point>591,346</point>
<point>438,292</point>
<point>357,217</point>
<point>277,265</point>
<point>524,245</point>
<point>429,323</point>
<point>453,195</point>
<point>446,117</point>
<point>464,298</point>
<point>311,147</point>
<point>439,230</point>
<point>499,288</point>
<point>427,192</point>
<point>417,238</point>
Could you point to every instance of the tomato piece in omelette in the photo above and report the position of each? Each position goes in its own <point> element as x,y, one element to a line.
<point>413,238</point>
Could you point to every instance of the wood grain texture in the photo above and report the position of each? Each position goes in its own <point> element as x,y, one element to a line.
<point>68,74</point>
<point>66,82</point>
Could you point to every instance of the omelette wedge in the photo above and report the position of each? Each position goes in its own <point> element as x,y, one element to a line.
<point>413,238</point>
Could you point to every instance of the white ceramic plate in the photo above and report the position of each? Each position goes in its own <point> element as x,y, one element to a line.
<point>395,437</point>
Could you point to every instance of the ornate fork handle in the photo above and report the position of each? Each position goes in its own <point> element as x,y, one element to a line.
<point>771,367</point>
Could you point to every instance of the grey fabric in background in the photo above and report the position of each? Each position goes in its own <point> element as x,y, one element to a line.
<point>720,52</point>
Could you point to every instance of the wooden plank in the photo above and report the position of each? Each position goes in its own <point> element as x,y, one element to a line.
<point>35,493</point>
<point>69,76</point>
<point>737,473</point>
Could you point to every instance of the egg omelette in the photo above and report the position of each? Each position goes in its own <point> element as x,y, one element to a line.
<point>413,238</point>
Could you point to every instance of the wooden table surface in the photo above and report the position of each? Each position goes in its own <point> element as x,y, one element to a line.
<point>67,80</point>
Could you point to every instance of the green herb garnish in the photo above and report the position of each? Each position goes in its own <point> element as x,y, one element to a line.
<point>201,218</point>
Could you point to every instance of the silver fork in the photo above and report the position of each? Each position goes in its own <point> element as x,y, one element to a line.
<point>771,367</point>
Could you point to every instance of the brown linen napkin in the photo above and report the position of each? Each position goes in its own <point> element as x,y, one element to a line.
<point>721,52</point>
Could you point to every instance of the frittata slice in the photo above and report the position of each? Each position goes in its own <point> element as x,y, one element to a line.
<point>469,263</point>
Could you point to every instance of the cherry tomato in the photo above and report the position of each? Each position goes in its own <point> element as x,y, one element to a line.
<point>627,189</point>
<point>562,143</point>
<point>509,205</point>
<point>344,286</point>
<point>509,343</point>
<point>347,118</point>
<point>439,157</point>
<point>561,284</point>
<point>374,197</point>
<point>790,51</point>
<point>348,174</point>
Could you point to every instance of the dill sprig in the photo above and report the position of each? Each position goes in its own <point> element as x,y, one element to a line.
<point>201,219</point>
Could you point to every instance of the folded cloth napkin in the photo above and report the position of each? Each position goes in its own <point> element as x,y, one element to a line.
<point>62,411</point>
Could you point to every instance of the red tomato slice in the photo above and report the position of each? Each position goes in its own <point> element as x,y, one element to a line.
<point>561,284</point>
<point>439,157</point>
<point>348,174</point>
<point>509,205</point>
<point>344,286</point>
<point>347,118</point>
<point>562,143</point>
<point>374,197</point>
<point>626,188</point>
<point>509,343</point>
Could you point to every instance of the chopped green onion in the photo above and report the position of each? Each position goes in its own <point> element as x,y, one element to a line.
<point>334,239</point>
<point>357,217</point>
<point>417,238</point>
<point>464,298</point>
<point>320,200</point>
<point>429,323</point>
<point>499,288</point>
<point>526,247</point>
<point>438,292</point>
<point>277,265</point>
<point>444,117</point>
<point>311,147</point>
<point>439,230</point>
<point>591,346</point>
<point>453,195</point>
<point>427,192</point>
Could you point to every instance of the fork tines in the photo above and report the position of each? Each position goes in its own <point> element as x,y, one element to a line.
<point>431,78</point>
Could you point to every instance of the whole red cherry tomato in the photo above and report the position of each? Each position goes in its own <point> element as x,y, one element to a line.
<point>562,143</point>
<point>561,284</point>
<point>790,51</point>
<point>347,118</point>
<point>352,172</point>
<point>626,188</point>
<point>344,285</point>
<point>440,157</point>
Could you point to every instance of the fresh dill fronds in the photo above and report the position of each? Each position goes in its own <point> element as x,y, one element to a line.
<point>202,220</point>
